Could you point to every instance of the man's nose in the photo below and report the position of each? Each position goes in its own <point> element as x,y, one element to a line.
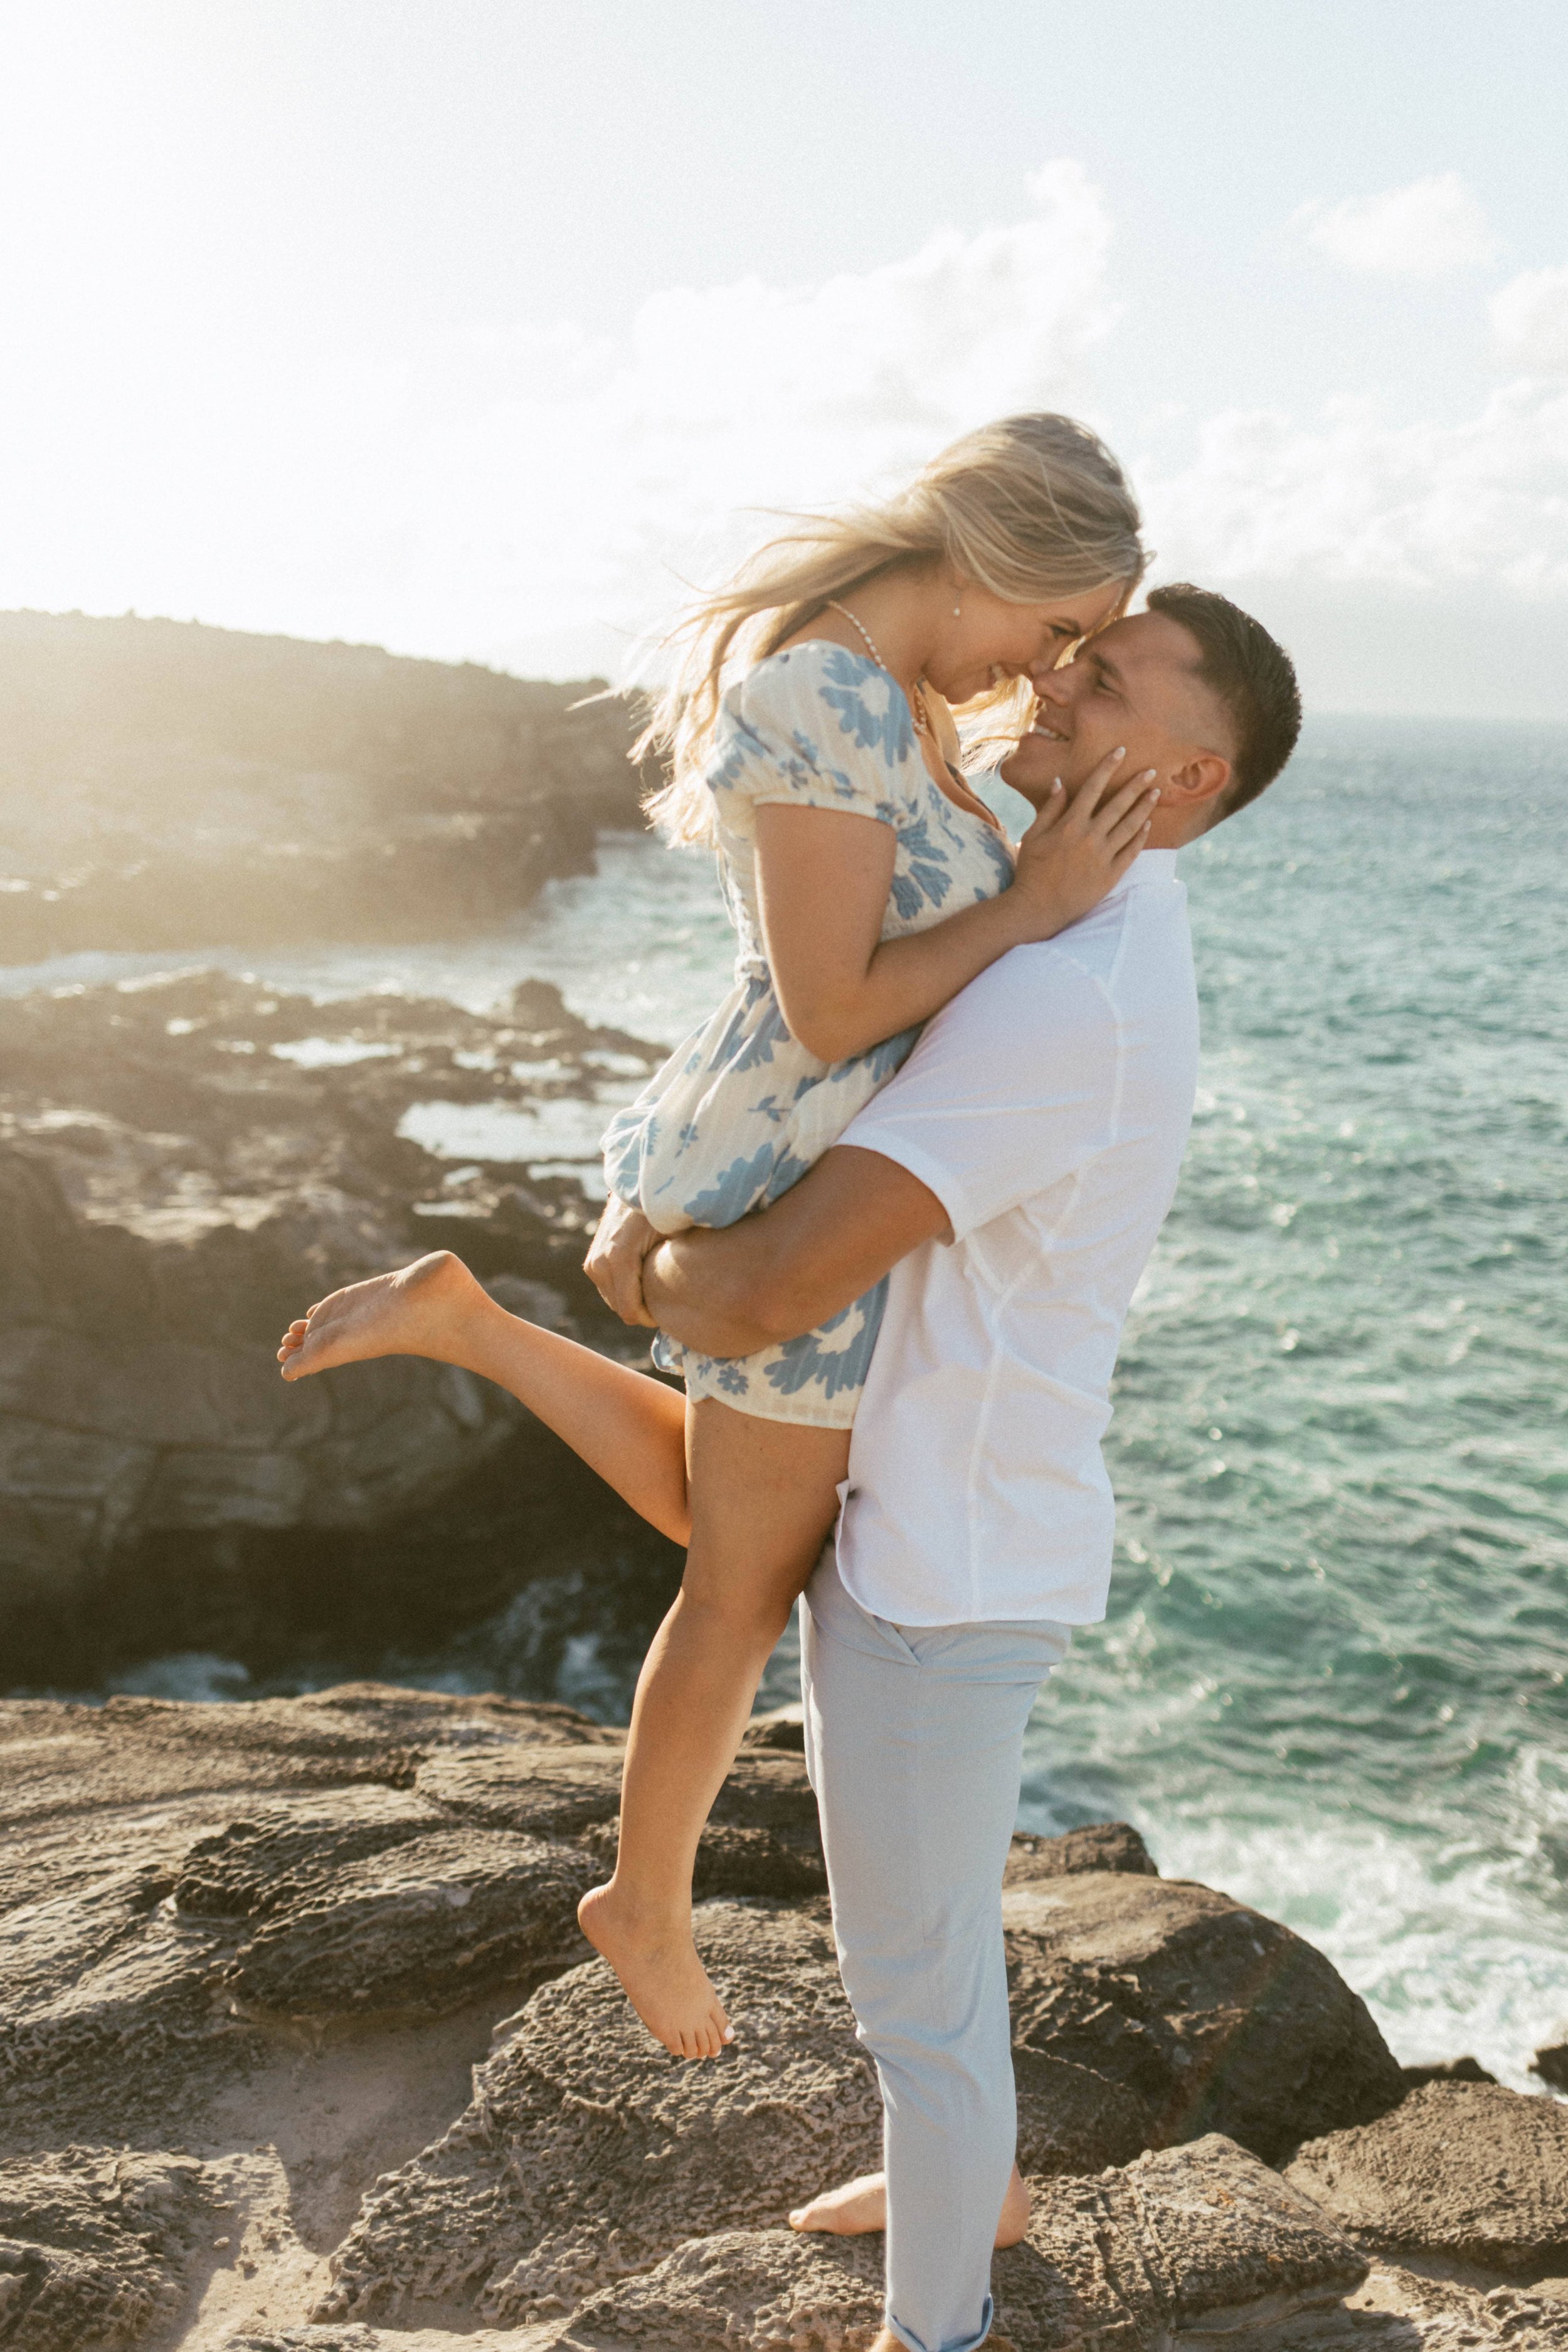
<point>1053,685</point>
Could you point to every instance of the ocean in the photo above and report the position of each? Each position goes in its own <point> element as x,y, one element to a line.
<point>1334,1676</point>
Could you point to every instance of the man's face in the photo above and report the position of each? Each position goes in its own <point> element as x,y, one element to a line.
<point>1136,684</point>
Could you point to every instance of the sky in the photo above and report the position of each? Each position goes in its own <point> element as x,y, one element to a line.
<point>481,328</point>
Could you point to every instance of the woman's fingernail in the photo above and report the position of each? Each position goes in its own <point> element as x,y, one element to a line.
<point>1156,793</point>
<point>1120,752</point>
<point>1150,772</point>
<point>1056,784</point>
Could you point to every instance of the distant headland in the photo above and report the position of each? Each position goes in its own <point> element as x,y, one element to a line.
<point>164,784</point>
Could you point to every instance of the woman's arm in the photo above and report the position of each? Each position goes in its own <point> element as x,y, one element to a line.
<point>822,878</point>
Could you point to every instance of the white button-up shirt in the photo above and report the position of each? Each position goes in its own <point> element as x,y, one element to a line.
<point>1048,1108</point>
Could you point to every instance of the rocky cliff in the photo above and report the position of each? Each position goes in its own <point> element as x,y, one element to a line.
<point>186,1163</point>
<point>301,2052</point>
<point>167,785</point>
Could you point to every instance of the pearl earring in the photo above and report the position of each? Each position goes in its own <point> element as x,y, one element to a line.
<point>956,610</point>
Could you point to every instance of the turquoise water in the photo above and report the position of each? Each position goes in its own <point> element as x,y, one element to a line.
<point>1332,1679</point>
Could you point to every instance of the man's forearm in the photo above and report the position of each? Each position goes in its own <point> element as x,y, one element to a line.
<point>789,1268</point>
<point>702,1287</point>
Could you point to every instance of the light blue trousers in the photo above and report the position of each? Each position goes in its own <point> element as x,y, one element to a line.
<point>914,1745</point>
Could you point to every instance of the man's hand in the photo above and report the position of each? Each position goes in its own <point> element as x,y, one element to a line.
<point>616,1259</point>
<point>785,1269</point>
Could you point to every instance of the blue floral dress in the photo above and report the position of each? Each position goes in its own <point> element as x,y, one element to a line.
<point>740,1110</point>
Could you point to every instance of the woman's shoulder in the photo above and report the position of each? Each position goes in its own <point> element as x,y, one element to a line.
<point>828,693</point>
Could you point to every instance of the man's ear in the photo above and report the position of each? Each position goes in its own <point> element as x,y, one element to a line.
<point>1200,779</point>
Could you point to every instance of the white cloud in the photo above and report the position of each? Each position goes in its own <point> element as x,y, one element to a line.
<point>1357,497</point>
<point>532,494</point>
<point>538,484</point>
<point>1426,230</point>
<point>1530,322</point>
<point>1409,566</point>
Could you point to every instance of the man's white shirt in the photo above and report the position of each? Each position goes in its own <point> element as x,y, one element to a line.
<point>1048,1108</point>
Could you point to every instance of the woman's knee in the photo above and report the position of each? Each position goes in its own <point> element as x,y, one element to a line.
<point>737,1611</point>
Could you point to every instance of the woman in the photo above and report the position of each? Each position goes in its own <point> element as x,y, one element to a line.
<point>811,742</point>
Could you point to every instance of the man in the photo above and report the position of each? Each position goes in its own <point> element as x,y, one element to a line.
<point>1011,1182</point>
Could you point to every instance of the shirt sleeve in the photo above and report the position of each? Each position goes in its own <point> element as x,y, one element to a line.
<point>819,727</point>
<point>1012,1087</point>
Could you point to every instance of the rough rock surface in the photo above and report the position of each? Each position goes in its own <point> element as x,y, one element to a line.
<point>1212,2017</point>
<point>588,2153</point>
<point>1446,2070</point>
<point>167,785</point>
<point>1201,2237</point>
<point>1102,1845</point>
<point>1550,2060</point>
<point>167,1872</point>
<point>251,1963</point>
<point>93,2242</point>
<point>174,1184</point>
<point>1469,2170</point>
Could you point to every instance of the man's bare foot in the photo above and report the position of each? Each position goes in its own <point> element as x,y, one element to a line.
<point>861,2206</point>
<point>665,1981</point>
<point>420,1310</point>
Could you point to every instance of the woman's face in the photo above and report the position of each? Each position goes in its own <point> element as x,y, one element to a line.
<point>990,639</point>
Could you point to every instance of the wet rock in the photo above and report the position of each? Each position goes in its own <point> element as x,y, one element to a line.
<point>167,785</point>
<point>588,2153</point>
<point>1199,2239</point>
<point>174,1187</point>
<point>1467,2170</point>
<point>1550,2060</point>
<point>1447,2070</point>
<point>1102,1845</point>
<point>1212,2017</point>
<point>93,2243</point>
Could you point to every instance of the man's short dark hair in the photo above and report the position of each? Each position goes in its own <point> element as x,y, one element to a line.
<point>1253,678</point>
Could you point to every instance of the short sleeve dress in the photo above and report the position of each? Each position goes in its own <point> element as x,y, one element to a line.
<point>742,1110</point>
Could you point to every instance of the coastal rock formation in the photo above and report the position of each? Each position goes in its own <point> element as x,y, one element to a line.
<point>1469,2170</point>
<point>587,2153</point>
<point>1200,2238</point>
<point>1207,2015</point>
<point>94,2245</point>
<point>166,785</point>
<point>184,1164</point>
<point>1550,2060</point>
<point>255,2096</point>
<point>1102,1845</point>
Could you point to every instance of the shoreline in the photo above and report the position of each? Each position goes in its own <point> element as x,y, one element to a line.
<point>235,2067</point>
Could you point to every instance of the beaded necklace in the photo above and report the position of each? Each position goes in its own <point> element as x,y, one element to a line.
<point>917,698</point>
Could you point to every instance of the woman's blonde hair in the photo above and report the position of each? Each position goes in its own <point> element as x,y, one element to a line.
<point>1032,508</point>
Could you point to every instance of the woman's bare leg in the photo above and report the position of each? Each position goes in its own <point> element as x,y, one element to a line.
<point>762,1500</point>
<point>626,1426</point>
<point>753,1498</point>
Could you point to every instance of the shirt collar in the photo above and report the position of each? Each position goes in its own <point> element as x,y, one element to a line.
<point>1149,866</point>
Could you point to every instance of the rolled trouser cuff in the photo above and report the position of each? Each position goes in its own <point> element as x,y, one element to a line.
<point>959,2343</point>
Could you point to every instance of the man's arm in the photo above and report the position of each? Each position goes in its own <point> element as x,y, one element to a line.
<point>789,1268</point>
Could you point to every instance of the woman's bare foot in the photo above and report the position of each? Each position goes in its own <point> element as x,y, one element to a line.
<point>861,2206</point>
<point>665,1981</point>
<point>420,1310</point>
